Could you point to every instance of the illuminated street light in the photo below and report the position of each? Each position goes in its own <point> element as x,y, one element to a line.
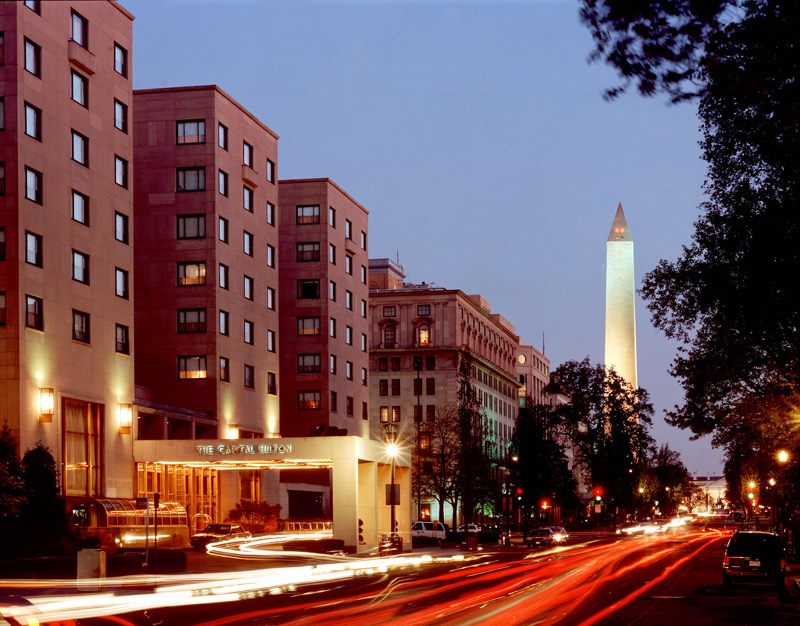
<point>783,456</point>
<point>390,434</point>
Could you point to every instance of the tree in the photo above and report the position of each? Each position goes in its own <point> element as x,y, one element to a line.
<point>438,462</point>
<point>606,421</point>
<point>733,298</point>
<point>12,488</point>
<point>674,483</point>
<point>255,516</point>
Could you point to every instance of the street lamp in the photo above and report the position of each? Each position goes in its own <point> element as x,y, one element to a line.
<point>783,458</point>
<point>390,437</point>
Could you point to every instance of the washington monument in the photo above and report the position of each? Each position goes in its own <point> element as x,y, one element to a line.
<point>620,301</point>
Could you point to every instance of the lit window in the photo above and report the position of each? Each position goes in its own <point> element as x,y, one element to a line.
<point>384,414</point>
<point>308,214</point>
<point>80,326</point>
<point>309,400</point>
<point>191,226</point>
<point>395,413</point>
<point>190,131</point>
<point>307,326</point>
<point>122,283</point>
<point>191,367</point>
<point>192,273</point>
<point>424,335</point>
<point>191,178</point>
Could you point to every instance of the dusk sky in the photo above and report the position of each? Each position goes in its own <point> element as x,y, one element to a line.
<point>476,135</point>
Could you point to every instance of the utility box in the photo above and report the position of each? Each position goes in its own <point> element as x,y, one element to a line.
<point>91,564</point>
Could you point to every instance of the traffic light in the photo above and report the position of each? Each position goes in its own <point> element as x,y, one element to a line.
<point>361,531</point>
<point>545,504</point>
<point>598,494</point>
<point>519,493</point>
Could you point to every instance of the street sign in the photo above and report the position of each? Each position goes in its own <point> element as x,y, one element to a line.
<point>598,508</point>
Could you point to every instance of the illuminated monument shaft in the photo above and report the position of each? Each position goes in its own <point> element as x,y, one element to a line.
<point>620,301</point>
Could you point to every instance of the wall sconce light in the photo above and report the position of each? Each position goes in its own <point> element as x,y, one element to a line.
<point>47,404</point>
<point>125,419</point>
<point>233,431</point>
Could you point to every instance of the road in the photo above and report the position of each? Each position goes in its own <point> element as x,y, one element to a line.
<point>660,579</point>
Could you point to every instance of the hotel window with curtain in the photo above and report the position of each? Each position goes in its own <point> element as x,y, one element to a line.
<point>83,433</point>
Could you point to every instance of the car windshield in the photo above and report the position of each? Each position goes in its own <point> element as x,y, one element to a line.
<point>217,529</point>
<point>750,544</point>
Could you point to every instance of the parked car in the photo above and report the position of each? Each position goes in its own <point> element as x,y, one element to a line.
<point>539,537</point>
<point>218,532</point>
<point>560,534</point>
<point>754,556</point>
<point>473,528</point>
<point>429,530</point>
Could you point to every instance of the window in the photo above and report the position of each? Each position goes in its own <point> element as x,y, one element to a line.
<point>348,370</point>
<point>80,89</point>
<point>224,369</point>
<point>363,375</point>
<point>33,122</point>
<point>191,226</point>
<point>308,214</point>
<point>424,334</point>
<point>33,58</point>
<point>349,406</point>
<point>272,383</point>
<point>332,291</point>
<point>34,313</point>
<point>430,362</point>
<point>191,367</point>
<point>120,60</point>
<point>383,387</point>
<point>417,386</point>
<point>348,299</point>
<point>307,252</point>
<point>389,311</point>
<point>332,217</point>
<point>348,264</point>
<point>270,256</point>
<point>423,309</point>
<point>247,243</point>
<point>80,148</point>
<point>223,230</point>
<point>270,171</point>
<point>332,326</point>
<point>80,208</point>
<point>364,309</point>
<point>33,249</point>
<point>190,131</point>
<point>383,364</point>
<point>2,178</point>
<point>120,116</point>
<point>222,136</point>
<point>334,402</point>
<point>389,337</point>
<point>3,309</point>
<point>395,413</point>
<point>249,332</point>
<point>222,185</point>
<point>308,363</point>
<point>80,326</point>
<point>122,283</point>
<point>80,267</point>
<point>307,289</point>
<point>249,377</point>
<point>120,171</point>
<point>272,345</point>
<point>223,276</point>
<point>2,113</point>
<point>364,411</point>
<point>248,288</point>
<point>33,185</point>
<point>430,413</point>
<point>417,414</point>
<point>348,334</point>
<point>332,364</point>
<point>248,200</point>
<point>122,344</point>
<point>332,254</point>
<point>33,5</point>
<point>363,342</point>
<point>271,298</point>
<point>192,273</point>
<point>120,227</point>
<point>270,214</point>
<point>191,320</point>
<point>395,363</point>
<point>430,386</point>
<point>80,30</point>
<point>307,326</point>
<point>308,400</point>
<point>191,178</point>
<point>224,323</point>
<point>2,243</point>
<point>384,414</point>
<point>348,229</point>
<point>395,386</point>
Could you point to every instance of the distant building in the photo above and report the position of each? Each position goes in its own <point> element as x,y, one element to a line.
<point>419,335</point>
<point>66,229</point>
<point>620,343</point>
<point>713,493</point>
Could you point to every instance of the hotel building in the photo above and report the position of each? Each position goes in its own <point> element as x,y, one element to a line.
<point>66,231</point>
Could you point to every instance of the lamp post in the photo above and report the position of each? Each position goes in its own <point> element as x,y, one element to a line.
<point>390,437</point>
<point>783,458</point>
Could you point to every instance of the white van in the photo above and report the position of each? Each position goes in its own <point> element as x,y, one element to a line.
<point>429,529</point>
